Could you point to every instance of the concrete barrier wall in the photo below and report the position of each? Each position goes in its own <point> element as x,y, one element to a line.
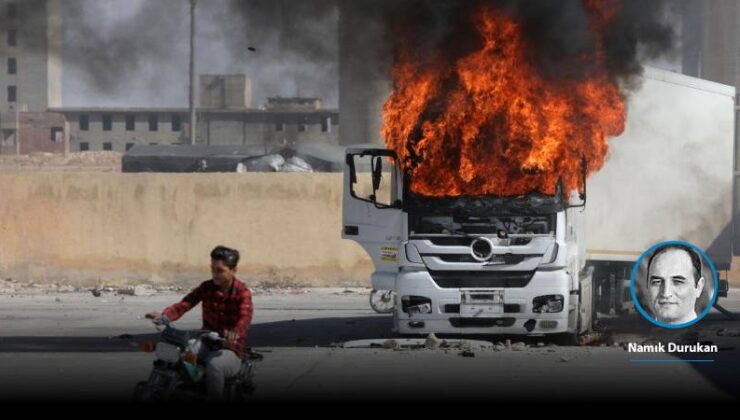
<point>85,228</point>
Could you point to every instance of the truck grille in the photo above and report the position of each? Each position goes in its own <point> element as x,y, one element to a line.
<point>481,322</point>
<point>467,258</point>
<point>509,308</point>
<point>467,240</point>
<point>467,279</point>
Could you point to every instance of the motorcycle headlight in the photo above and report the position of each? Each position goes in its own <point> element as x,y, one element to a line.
<point>167,352</point>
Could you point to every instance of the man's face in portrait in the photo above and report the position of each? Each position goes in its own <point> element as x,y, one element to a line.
<point>673,287</point>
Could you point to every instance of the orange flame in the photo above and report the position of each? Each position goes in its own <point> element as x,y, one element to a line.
<point>492,125</point>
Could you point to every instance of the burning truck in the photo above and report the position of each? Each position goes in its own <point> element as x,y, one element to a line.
<point>478,215</point>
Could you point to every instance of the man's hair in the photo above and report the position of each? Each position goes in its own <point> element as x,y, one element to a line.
<point>229,256</point>
<point>695,259</point>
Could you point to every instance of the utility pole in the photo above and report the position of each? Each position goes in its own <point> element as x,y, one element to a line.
<point>192,71</point>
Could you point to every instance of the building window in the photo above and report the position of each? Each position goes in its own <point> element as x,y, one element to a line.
<point>176,123</point>
<point>57,134</point>
<point>302,127</point>
<point>12,10</point>
<point>326,125</point>
<point>130,123</point>
<point>279,126</point>
<point>153,123</point>
<point>107,122</point>
<point>108,146</point>
<point>129,146</point>
<point>12,66</point>
<point>84,122</point>
<point>12,38</point>
<point>12,94</point>
<point>84,146</point>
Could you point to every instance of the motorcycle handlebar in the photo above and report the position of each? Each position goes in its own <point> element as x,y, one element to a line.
<point>162,320</point>
<point>211,335</point>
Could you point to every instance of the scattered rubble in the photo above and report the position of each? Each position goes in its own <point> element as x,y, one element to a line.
<point>727,332</point>
<point>391,344</point>
<point>144,290</point>
<point>518,347</point>
<point>432,342</point>
<point>12,286</point>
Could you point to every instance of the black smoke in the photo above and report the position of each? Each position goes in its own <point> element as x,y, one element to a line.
<point>559,33</point>
<point>297,42</point>
<point>136,52</point>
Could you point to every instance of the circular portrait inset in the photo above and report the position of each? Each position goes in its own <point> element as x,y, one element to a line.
<point>674,284</point>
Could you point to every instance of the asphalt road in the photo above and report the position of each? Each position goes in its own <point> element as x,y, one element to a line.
<point>74,346</point>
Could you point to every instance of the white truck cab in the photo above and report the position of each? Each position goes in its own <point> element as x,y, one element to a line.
<point>468,265</point>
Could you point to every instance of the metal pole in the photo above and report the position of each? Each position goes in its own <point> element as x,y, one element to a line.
<point>17,131</point>
<point>192,71</point>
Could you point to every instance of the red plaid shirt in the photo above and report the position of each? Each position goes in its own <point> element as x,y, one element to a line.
<point>231,310</point>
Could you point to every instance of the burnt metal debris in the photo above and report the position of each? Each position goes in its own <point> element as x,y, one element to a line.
<point>534,203</point>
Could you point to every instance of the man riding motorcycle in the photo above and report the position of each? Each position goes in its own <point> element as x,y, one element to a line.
<point>227,309</point>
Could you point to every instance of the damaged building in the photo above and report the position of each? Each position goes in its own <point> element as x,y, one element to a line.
<point>279,122</point>
<point>31,77</point>
<point>31,102</point>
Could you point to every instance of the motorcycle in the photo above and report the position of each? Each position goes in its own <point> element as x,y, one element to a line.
<point>177,372</point>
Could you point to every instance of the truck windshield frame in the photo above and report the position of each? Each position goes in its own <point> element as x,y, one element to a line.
<point>372,153</point>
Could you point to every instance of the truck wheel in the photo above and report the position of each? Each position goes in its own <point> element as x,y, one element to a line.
<point>584,316</point>
<point>571,338</point>
<point>566,339</point>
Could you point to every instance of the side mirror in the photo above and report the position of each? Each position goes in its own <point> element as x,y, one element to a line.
<point>377,169</point>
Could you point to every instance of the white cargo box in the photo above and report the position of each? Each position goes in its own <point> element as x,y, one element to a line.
<point>669,176</point>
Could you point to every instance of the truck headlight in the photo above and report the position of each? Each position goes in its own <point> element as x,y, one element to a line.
<point>416,305</point>
<point>547,304</point>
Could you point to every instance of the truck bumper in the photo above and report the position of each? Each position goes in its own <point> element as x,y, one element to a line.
<point>518,317</point>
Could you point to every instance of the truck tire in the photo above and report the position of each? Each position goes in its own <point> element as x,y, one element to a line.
<point>585,312</point>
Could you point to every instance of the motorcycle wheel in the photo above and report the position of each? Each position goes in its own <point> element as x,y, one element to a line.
<point>382,301</point>
<point>143,393</point>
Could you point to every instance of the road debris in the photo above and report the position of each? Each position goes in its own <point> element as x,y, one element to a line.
<point>518,346</point>
<point>391,344</point>
<point>727,332</point>
<point>144,290</point>
<point>419,343</point>
<point>432,342</point>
